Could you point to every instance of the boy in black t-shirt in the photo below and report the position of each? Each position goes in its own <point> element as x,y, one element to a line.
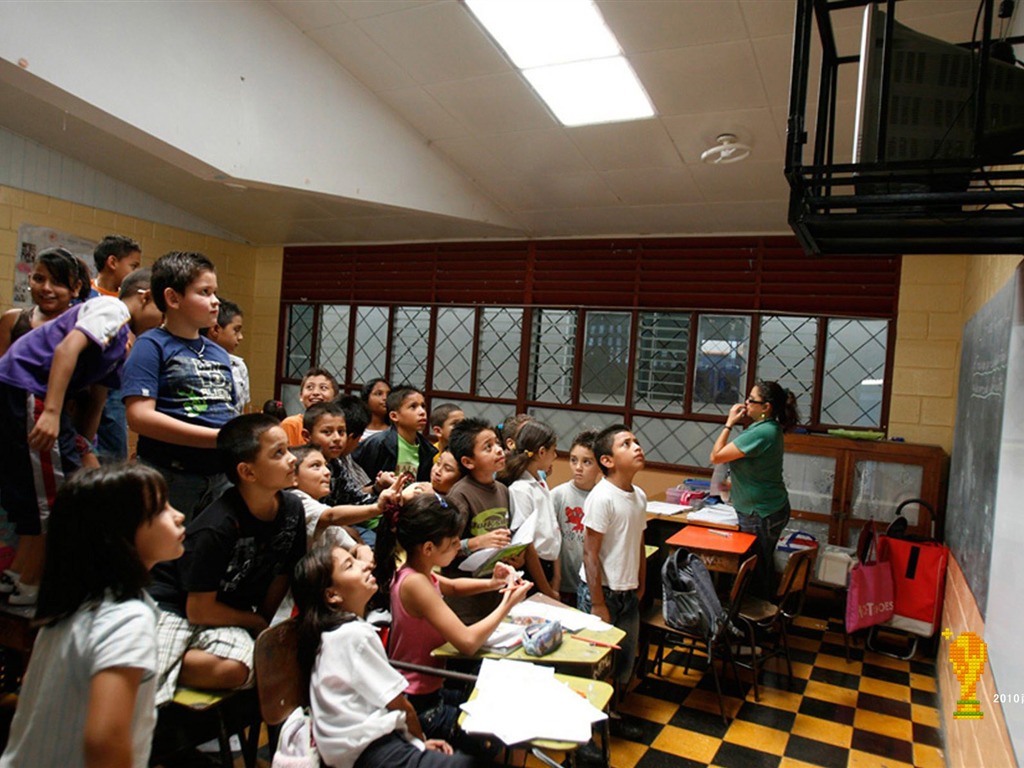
<point>239,556</point>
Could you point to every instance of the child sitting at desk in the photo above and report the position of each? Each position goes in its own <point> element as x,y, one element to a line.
<point>428,529</point>
<point>614,558</point>
<point>360,714</point>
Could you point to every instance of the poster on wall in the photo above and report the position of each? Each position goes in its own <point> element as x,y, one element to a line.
<point>33,240</point>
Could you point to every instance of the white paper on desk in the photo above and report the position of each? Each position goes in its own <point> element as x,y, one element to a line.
<point>570,619</point>
<point>504,638</point>
<point>666,509</point>
<point>523,536</point>
<point>519,701</point>
<point>722,514</point>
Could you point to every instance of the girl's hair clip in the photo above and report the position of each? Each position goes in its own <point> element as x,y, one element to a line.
<point>529,454</point>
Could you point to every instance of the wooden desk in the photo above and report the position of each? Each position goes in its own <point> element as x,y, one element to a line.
<point>592,661</point>
<point>722,552</point>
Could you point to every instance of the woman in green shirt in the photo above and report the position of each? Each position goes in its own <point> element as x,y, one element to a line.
<point>755,457</point>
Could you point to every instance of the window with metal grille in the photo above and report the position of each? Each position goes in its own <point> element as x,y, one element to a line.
<point>583,383</point>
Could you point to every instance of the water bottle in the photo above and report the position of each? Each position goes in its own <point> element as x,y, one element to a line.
<point>720,481</point>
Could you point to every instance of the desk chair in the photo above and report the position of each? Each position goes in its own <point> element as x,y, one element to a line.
<point>765,622</point>
<point>279,685</point>
<point>193,717</point>
<point>716,646</point>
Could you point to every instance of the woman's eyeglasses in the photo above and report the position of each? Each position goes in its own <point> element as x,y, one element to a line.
<point>755,402</point>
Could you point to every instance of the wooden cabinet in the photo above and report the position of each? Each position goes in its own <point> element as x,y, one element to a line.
<point>835,484</point>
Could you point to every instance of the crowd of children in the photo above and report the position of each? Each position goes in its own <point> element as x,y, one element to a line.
<point>323,505</point>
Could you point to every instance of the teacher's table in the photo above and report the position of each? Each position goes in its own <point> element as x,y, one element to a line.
<point>721,551</point>
<point>588,654</point>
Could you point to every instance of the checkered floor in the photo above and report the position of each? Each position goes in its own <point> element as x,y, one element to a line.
<point>873,710</point>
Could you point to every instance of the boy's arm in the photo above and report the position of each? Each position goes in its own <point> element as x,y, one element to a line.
<point>89,420</point>
<point>643,571</point>
<point>537,575</point>
<point>205,609</point>
<point>592,567</point>
<point>65,358</point>
<point>145,419</point>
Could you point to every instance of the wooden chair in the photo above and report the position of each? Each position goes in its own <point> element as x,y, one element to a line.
<point>279,684</point>
<point>765,622</point>
<point>716,646</point>
<point>195,716</point>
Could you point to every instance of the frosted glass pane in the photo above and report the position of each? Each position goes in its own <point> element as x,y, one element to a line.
<point>453,349</point>
<point>810,481</point>
<point>879,487</point>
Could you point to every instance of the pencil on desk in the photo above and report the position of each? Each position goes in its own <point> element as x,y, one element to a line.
<point>597,642</point>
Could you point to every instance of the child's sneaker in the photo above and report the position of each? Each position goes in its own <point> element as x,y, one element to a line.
<point>8,579</point>
<point>23,594</point>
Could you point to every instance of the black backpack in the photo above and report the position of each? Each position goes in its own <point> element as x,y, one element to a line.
<point>689,599</point>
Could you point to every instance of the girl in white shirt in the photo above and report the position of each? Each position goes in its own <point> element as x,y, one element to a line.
<point>88,698</point>
<point>360,715</point>
<point>527,467</point>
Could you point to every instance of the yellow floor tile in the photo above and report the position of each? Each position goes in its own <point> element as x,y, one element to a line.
<point>708,701</point>
<point>838,664</point>
<point>626,754</point>
<point>919,713</point>
<point>832,693</point>
<point>688,744</point>
<point>803,671</point>
<point>773,697</point>
<point>860,759</point>
<point>922,682</point>
<point>926,756</point>
<point>758,737</point>
<point>896,727</point>
<point>648,707</point>
<point>810,622</point>
<point>882,688</point>
<point>827,731</point>
<point>789,762</point>
<point>880,660</point>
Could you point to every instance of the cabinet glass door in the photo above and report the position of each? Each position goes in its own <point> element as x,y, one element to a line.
<point>878,488</point>
<point>810,480</point>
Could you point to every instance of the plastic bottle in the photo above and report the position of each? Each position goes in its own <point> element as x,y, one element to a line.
<point>721,481</point>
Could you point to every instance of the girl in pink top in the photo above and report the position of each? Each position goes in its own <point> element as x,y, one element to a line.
<point>428,529</point>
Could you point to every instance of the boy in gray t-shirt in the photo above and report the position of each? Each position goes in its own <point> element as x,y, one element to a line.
<point>567,500</point>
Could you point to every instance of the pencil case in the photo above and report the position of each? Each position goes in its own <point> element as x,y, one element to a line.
<point>542,639</point>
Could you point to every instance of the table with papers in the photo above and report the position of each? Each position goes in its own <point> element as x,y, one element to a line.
<point>523,703</point>
<point>590,656</point>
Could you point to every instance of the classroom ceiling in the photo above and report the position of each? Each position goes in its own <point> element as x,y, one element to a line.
<point>710,67</point>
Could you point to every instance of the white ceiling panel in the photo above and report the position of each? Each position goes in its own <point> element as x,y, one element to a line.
<point>351,47</point>
<point>423,113</point>
<point>653,186</point>
<point>494,104</point>
<point>693,134</point>
<point>636,144</point>
<point>654,25</point>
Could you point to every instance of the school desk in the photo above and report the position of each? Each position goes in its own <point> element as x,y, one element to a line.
<point>721,551</point>
<point>591,661</point>
<point>597,693</point>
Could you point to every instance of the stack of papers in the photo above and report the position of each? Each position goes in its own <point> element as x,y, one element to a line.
<point>664,508</point>
<point>518,701</point>
<point>504,638</point>
<point>721,513</point>
<point>570,619</point>
<point>481,563</point>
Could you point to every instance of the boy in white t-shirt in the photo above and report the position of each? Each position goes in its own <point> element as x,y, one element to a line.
<point>614,560</point>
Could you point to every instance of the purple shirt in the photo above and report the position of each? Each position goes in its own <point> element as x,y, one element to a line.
<point>104,321</point>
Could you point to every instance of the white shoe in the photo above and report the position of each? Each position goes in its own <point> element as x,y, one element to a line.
<point>8,579</point>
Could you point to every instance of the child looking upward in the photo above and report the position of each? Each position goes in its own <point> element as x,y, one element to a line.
<point>526,469</point>
<point>227,332</point>
<point>318,386</point>
<point>428,529</point>
<point>88,694</point>
<point>177,386</point>
<point>81,351</point>
<point>614,559</point>
<point>238,556</point>
<point>442,419</point>
<point>567,500</point>
<point>402,448</point>
<point>360,715</point>
<point>374,395</point>
<point>325,523</point>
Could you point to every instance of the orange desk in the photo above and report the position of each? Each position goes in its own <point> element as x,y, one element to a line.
<point>721,551</point>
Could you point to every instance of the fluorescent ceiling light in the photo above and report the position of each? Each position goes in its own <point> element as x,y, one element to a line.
<point>566,51</point>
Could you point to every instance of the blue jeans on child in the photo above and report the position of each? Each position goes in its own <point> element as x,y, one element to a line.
<point>624,609</point>
<point>767,529</point>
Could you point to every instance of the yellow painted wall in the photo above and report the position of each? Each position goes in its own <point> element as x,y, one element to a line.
<point>249,276</point>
